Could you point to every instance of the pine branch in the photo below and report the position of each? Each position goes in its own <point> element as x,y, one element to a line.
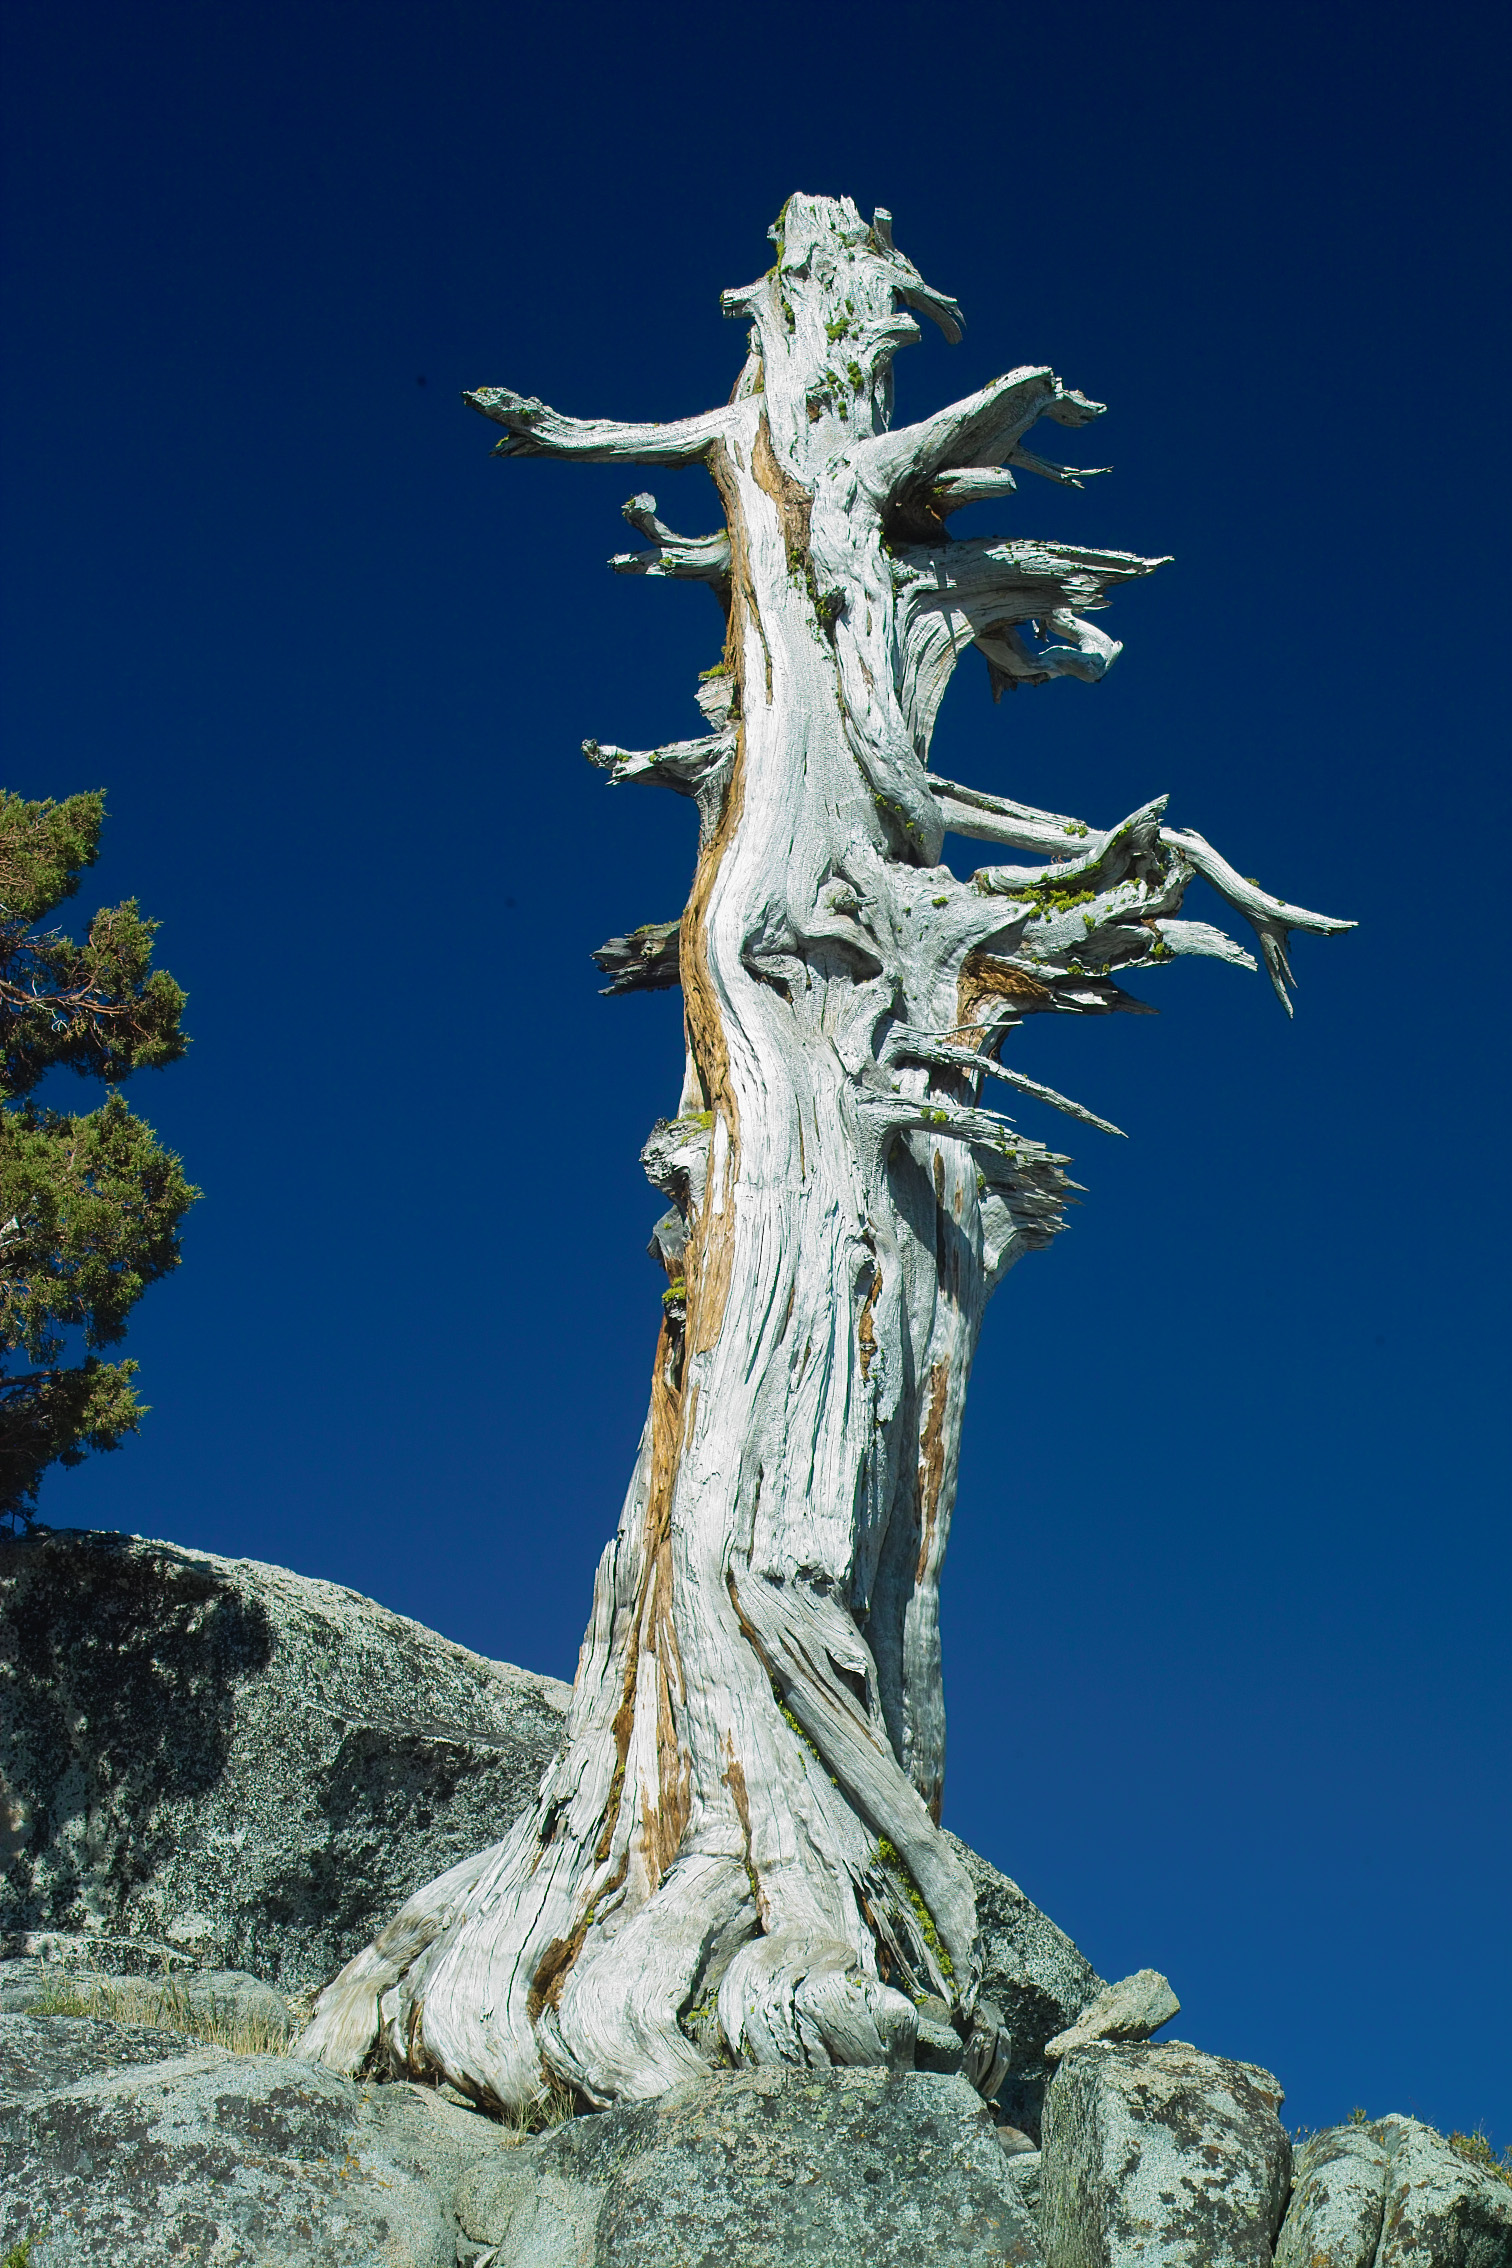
<point>59,1417</point>
<point>44,849</point>
<point>99,1008</point>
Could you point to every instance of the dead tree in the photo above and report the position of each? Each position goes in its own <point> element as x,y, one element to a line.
<point>737,1855</point>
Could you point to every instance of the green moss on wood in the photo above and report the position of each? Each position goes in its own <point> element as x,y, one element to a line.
<point>885,1856</point>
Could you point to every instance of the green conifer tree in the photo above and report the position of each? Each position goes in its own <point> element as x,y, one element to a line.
<point>90,1204</point>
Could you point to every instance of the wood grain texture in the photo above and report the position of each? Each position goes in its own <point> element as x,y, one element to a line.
<point>738,1853</point>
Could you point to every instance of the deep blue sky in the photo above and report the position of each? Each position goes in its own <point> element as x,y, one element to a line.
<point>1227,1600</point>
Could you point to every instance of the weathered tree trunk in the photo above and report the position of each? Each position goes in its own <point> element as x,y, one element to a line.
<point>738,1853</point>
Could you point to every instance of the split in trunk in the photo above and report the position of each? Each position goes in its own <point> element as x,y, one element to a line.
<point>737,1854</point>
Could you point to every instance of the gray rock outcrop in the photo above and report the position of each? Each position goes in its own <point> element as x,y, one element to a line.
<point>1024,2167</point>
<point>1441,2211</point>
<point>218,1773</point>
<point>1394,2194</point>
<point>123,2146</point>
<point>1161,2156</point>
<point>764,2169</point>
<point>1338,2198</point>
<point>938,2045</point>
<point>246,1764</point>
<point>212,1761</point>
<point>1034,1975</point>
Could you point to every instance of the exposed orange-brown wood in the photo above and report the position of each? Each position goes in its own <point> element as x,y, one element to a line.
<point>932,1462</point>
<point>711,1253</point>
<point>794,503</point>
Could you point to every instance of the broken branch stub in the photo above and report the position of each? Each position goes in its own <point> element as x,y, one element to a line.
<point>645,961</point>
<point>737,1855</point>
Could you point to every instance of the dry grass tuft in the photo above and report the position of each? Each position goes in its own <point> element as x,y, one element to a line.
<point>556,2103</point>
<point>162,2001</point>
<point>1477,2148</point>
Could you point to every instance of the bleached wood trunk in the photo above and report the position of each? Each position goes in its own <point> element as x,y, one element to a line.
<point>738,1853</point>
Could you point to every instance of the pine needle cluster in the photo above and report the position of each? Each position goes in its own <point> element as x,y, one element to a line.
<point>90,1203</point>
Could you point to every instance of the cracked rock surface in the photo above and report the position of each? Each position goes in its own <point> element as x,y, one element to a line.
<point>1338,2196</point>
<point>235,1761</point>
<point>1162,2156</point>
<point>1394,2194</point>
<point>126,2146</point>
<point>1036,1977</point>
<point>766,2168</point>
